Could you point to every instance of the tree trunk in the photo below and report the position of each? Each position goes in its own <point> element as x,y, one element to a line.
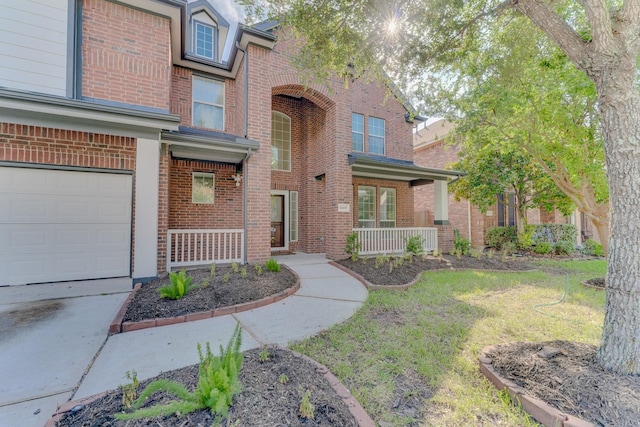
<point>619,101</point>
<point>602,229</point>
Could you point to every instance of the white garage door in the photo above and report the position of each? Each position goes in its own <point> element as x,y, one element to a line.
<point>58,225</point>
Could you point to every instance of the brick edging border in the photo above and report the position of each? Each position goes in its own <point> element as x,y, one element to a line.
<point>598,288</point>
<point>406,286</point>
<point>362,418</point>
<point>118,326</point>
<point>541,411</point>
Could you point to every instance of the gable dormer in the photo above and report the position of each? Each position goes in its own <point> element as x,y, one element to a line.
<point>207,32</point>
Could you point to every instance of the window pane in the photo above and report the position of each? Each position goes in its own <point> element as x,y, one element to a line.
<point>376,135</point>
<point>202,188</point>
<point>366,207</point>
<point>280,141</point>
<point>357,132</point>
<point>387,207</point>
<point>207,116</point>
<point>208,103</point>
<point>204,40</point>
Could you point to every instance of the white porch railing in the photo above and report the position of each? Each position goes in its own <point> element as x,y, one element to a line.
<point>197,247</point>
<point>393,240</point>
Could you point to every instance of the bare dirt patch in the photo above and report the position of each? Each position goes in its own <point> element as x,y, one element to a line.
<point>264,400</point>
<point>571,381</point>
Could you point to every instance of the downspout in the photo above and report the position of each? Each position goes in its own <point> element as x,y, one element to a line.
<point>245,162</point>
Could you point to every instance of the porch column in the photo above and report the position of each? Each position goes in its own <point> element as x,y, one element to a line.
<point>145,263</point>
<point>441,208</point>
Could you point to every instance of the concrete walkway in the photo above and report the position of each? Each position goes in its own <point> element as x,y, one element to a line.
<point>326,296</point>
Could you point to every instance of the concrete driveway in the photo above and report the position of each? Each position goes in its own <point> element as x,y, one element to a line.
<point>49,336</point>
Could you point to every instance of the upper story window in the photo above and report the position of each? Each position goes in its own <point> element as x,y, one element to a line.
<point>208,103</point>
<point>376,135</point>
<point>204,40</point>
<point>280,141</point>
<point>357,132</point>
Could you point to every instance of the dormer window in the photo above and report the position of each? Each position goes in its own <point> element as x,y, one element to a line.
<point>204,40</point>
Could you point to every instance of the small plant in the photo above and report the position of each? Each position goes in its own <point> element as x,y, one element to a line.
<point>243,272</point>
<point>264,355</point>
<point>179,285</point>
<point>476,253</point>
<point>205,282</point>
<point>226,277</point>
<point>436,253</point>
<point>461,245</point>
<point>235,267</point>
<point>353,246</point>
<point>592,247</point>
<point>414,245</point>
<point>525,238</point>
<point>272,265</point>
<point>490,253</point>
<point>258,268</point>
<point>542,248</point>
<point>129,393</point>
<point>390,267</point>
<point>399,262</point>
<point>212,269</point>
<point>283,379</point>
<point>564,247</point>
<point>307,409</point>
<point>379,261</point>
<point>217,384</point>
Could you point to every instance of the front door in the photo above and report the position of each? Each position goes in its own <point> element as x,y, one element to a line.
<point>277,221</point>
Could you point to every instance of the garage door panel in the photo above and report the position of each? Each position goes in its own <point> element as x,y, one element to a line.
<point>63,225</point>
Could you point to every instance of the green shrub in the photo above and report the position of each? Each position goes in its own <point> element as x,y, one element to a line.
<point>179,285</point>
<point>591,247</point>
<point>217,384</point>
<point>414,245</point>
<point>461,245</point>
<point>508,248</point>
<point>552,233</point>
<point>353,246</point>
<point>564,247</point>
<point>496,237</point>
<point>542,248</point>
<point>525,238</point>
<point>272,265</point>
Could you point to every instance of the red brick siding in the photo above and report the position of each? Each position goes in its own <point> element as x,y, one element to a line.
<point>125,55</point>
<point>164,170</point>
<point>225,212</point>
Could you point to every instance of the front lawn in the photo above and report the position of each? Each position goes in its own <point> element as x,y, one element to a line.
<point>411,357</point>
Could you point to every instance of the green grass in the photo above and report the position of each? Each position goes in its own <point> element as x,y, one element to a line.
<point>429,337</point>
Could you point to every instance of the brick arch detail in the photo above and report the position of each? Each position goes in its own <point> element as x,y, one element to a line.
<point>292,86</point>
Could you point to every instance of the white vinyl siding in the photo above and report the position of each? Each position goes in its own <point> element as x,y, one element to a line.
<point>33,45</point>
<point>58,225</point>
<point>293,216</point>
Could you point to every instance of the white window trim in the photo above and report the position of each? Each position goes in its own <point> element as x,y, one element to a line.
<point>290,142</point>
<point>383,136</point>
<point>193,101</point>
<point>211,175</point>
<point>214,41</point>
<point>293,215</point>
<point>359,133</point>
<point>375,206</point>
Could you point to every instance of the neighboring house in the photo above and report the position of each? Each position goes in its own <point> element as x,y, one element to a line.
<point>430,150</point>
<point>136,137</point>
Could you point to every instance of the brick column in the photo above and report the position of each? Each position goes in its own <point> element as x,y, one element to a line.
<point>445,237</point>
<point>163,206</point>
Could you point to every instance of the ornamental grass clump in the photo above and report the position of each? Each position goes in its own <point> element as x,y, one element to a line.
<point>179,285</point>
<point>217,384</point>
<point>272,265</point>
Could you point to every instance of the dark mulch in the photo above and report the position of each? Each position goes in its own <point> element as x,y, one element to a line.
<point>263,401</point>
<point>571,381</point>
<point>212,292</point>
<point>390,273</point>
<point>598,282</point>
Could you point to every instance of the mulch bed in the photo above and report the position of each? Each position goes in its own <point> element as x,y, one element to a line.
<point>214,293</point>
<point>390,273</point>
<point>571,381</point>
<point>597,283</point>
<point>263,401</point>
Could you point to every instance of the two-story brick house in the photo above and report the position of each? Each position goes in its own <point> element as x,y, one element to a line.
<point>142,135</point>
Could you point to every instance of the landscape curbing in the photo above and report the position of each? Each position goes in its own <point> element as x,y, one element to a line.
<point>539,410</point>
<point>357,411</point>
<point>118,326</point>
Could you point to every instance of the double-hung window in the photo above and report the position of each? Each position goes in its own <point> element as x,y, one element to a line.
<point>387,207</point>
<point>357,132</point>
<point>208,103</point>
<point>204,40</point>
<point>366,207</point>
<point>506,209</point>
<point>376,135</point>
<point>280,141</point>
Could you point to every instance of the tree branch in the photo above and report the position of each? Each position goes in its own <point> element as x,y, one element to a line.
<point>598,16</point>
<point>556,28</point>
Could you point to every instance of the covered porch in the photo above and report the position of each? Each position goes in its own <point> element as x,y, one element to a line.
<point>383,204</point>
<point>206,197</point>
